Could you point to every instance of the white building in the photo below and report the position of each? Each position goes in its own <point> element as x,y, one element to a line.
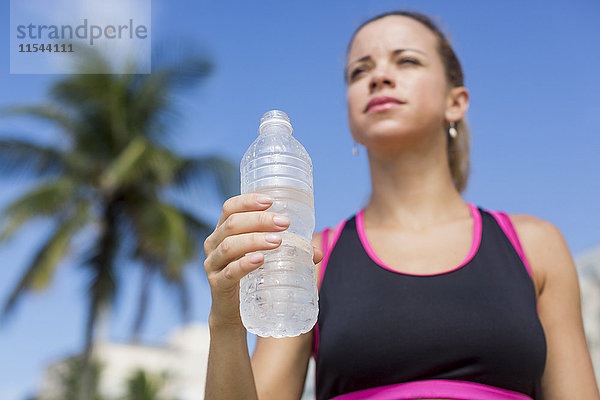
<point>588,266</point>
<point>183,357</point>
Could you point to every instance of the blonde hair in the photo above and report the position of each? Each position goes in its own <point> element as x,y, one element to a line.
<point>458,148</point>
<point>458,155</point>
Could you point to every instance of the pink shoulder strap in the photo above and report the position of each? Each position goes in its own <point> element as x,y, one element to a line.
<point>327,249</point>
<point>325,240</point>
<point>509,230</point>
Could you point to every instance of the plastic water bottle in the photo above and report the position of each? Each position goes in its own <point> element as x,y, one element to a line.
<point>280,298</point>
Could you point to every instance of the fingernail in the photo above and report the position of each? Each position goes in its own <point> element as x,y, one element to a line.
<point>256,258</point>
<point>272,238</point>
<point>281,220</point>
<point>265,199</point>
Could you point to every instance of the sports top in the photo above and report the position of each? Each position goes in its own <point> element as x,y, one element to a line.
<point>472,332</point>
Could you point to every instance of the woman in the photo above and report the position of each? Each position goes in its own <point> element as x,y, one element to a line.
<point>422,295</point>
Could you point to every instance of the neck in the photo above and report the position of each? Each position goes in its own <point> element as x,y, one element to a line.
<point>412,189</point>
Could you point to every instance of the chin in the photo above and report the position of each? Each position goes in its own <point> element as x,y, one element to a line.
<point>390,140</point>
<point>385,130</point>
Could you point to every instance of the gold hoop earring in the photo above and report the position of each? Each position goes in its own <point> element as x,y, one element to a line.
<point>354,149</point>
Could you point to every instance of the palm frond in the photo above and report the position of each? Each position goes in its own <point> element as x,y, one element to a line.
<point>168,238</point>
<point>41,269</point>
<point>151,106</point>
<point>141,164</point>
<point>90,60</point>
<point>225,173</point>
<point>48,113</point>
<point>155,168</point>
<point>180,73</point>
<point>162,236</point>
<point>20,156</point>
<point>163,165</point>
<point>119,172</point>
<point>48,199</point>
<point>196,228</point>
<point>166,235</point>
<point>81,91</point>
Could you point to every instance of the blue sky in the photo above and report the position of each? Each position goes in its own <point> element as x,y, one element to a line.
<point>531,68</point>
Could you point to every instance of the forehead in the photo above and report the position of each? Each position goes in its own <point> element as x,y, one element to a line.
<point>391,33</point>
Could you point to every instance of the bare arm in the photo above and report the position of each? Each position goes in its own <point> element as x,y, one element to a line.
<point>280,366</point>
<point>569,372</point>
<point>240,230</point>
<point>229,374</point>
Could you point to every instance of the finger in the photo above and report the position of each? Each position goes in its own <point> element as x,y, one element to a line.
<point>252,221</point>
<point>244,202</point>
<point>236,270</point>
<point>317,255</point>
<point>236,204</point>
<point>235,247</point>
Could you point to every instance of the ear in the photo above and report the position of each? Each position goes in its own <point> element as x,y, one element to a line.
<point>457,103</point>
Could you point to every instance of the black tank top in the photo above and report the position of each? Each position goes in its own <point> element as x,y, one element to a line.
<point>472,331</point>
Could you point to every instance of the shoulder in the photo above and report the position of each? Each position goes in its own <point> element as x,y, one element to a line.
<point>324,240</point>
<point>317,240</point>
<point>327,233</point>
<point>545,248</point>
<point>534,227</point>
<point>538,237</point>
<point>559,309</point>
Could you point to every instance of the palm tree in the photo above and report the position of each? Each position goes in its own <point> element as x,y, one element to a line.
<point>67,379</point>
<point>109,179</point>
<point>138,385</point>
<point>142,385</point>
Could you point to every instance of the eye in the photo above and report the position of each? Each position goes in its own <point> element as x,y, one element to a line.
<point>356,72</point>
<point>408,60</point>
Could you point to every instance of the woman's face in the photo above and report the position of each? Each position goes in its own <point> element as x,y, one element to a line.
<point>397,86</point>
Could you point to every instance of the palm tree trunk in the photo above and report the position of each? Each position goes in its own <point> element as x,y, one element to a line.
<point>85,387</point>
<point>184,299</point>
<point>147,273</point>
<point>101,290</point>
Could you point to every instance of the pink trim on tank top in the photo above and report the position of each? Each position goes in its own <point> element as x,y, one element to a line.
<point>324,247</point>
<point>509,230</point>
<point>436,389</point>
<point>360,227</point>
<point>326,253</point>
<point>328,249</point>
<point>325,241</point>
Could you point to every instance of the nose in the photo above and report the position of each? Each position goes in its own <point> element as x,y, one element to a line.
<point>380,79</point>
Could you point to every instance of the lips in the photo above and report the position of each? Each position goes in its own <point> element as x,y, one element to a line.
<point>381,103</point>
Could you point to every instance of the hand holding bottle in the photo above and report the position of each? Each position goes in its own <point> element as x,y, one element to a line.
<point>244,227</point>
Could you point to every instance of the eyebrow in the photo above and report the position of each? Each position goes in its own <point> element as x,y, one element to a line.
<point>394,53</point>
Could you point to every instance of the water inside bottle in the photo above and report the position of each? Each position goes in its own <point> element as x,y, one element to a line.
<point>296,204</point>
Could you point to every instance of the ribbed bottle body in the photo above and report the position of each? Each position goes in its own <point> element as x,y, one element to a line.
<point>280,298</point>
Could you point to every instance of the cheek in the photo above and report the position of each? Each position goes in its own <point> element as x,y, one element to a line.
<point>432,94</point>
<point>353,103</point>
<point>352,97</point>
